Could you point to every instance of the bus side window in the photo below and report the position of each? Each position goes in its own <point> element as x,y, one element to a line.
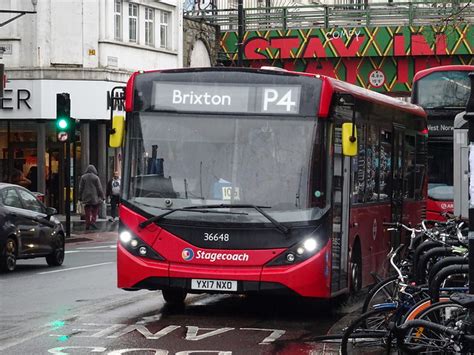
<point>409,173</point>
<point>372,171</point>
<point>421,161</point>
<point>385,185</point>
<point>358,167</point>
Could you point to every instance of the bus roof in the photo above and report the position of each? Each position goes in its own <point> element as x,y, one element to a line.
<point>330,86</point>
<point>368,95</point>
<point>425,72</point>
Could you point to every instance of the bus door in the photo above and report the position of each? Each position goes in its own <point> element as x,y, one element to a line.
<point>397,179</point>
<point>340,222</point>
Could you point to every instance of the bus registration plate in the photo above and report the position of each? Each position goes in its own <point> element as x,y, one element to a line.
<point>213,285</point>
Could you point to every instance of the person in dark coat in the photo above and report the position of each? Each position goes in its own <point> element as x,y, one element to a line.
<point>19,178</point>
<point>91,195</point>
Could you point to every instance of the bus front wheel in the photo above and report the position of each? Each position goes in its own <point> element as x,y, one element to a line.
<point>174,296</point>
<point>356,269</point>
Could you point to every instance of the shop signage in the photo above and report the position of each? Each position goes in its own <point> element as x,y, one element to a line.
<point>36,99</point>
<point>15,99</point>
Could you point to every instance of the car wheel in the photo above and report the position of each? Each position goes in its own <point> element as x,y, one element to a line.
<point>56,258</point>
<point>8,257</point>
<point>174,296</point>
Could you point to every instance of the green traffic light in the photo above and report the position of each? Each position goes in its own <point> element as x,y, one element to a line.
<point>62,123</point>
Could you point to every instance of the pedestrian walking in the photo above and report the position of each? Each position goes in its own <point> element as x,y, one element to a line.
<point>113,192</point>
<point>91,195</point>
<point>19,178</point>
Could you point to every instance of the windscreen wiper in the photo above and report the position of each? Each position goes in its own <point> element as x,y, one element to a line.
<point>280,226</point>
<point>156,218</point>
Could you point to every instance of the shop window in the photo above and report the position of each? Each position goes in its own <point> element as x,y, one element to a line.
<point>385,178</point>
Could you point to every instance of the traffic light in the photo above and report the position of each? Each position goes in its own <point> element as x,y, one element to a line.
<point>64,123</point>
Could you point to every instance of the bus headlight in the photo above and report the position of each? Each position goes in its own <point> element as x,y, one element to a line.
<point>137,247</point>
<point>310,244</point>
<point>297,253</point>
<point>125,237</point>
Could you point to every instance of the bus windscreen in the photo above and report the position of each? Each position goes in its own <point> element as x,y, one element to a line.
<point>447,89</point>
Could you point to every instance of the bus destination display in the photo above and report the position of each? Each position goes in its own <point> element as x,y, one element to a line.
<point>260,99</point>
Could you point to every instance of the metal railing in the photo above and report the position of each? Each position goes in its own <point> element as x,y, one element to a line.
<point>332,16</point>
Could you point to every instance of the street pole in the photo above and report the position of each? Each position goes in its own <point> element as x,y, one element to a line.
<point>68,187</point>
<point>240,33</point>
<point>469,116</point>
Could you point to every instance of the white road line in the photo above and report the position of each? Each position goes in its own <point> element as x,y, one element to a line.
<point>96,251</point>
<point>99,247</point>
<point>75,268</point>
<point>71,251</point>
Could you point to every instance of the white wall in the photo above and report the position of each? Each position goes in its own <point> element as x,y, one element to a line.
<point>80,34</point>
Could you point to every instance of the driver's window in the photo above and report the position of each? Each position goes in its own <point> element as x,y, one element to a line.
<point>30,201</point>
<point>10,198</point>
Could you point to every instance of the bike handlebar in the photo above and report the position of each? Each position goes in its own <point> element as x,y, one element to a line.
<point>399,225</point>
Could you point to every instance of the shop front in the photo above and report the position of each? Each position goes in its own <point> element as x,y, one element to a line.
<point>31,155</point>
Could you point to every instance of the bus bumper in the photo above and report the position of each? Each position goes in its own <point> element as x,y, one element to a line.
<point>310,278</point>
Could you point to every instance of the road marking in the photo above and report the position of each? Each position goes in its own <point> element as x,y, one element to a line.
<point>71,251</point>
<point>99,247</point>
<point>75,268</point>
<point>96,251</point>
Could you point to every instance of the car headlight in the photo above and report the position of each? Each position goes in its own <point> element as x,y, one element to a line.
<point>137,247</point>
<point>297,253</point>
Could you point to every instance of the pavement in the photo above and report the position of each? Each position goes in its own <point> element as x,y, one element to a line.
<point>107,231</point>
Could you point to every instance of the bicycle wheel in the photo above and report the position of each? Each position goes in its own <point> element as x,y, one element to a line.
<point>445,313</point>
<point>420,307</point>
<point>388,291</point>
<point>419,336</point>
<point>384,291</point>
<point>369,333</point>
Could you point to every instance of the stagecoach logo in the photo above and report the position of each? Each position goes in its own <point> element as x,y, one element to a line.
<point>187,254</point>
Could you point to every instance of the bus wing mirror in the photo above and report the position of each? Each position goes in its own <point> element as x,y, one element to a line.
<point>349,139</point>
<point>117,131</point>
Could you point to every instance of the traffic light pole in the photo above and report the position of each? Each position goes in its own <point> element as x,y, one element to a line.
<point>67,144</point>
<point>64,127</point>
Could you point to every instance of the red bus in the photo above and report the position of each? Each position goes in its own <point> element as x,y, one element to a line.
<point>258,180</point>
<point>443,92</point>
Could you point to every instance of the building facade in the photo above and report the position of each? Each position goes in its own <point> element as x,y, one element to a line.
<point>84,48</point>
